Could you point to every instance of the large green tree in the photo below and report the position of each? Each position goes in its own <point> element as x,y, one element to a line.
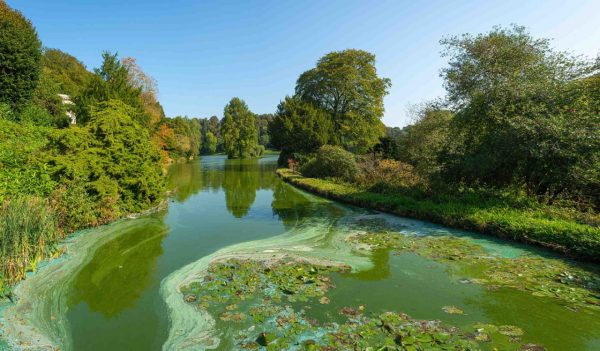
<point>299,127</point>
<point>346,84</point>
<point>238,130</point>
<point>525,114</point>
<point>20,58</point>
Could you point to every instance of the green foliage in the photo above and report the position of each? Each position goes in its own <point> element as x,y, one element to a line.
<point>22,166</point>
<point>525,114</point>
<point>114,157</point>
<point>46,98</point>
<point>68,73</point>
<point>421,143</point>
<point>262,128</point>
<point>332,162</point>
<point>300,127</point>
<point>346,85</point>
<point>211,135</point>
<point>20,58</point>
<point>238,130</point>
<point>186,140</point>
<point>111,82</point>
<point>209,143</point>
<point>29,233</point>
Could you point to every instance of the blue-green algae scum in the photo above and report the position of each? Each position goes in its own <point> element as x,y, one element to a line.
<point>242,261</point>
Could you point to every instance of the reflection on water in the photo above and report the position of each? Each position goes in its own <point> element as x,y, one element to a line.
<point>120,270</point>
<point>115,302</point>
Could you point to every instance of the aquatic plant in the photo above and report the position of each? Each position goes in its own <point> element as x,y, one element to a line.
<point>268,305</point>
<point>28,233</point>
<point>577,285</point>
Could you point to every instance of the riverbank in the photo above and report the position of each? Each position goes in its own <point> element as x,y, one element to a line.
<point>566,236</point>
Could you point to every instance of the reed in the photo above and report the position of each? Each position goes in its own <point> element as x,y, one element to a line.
<point>28,233</point>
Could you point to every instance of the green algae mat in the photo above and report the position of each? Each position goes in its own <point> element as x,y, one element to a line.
<point>242,261</point>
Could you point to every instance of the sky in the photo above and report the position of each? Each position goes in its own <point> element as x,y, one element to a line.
<point>203,53</point>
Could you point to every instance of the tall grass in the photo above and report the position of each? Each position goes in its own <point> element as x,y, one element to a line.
<point>28,233</point>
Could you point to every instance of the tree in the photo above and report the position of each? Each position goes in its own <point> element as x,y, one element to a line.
<point>148,90</point>
<point>299,127</point>
<point>522,114</point>
<point>20,58</point>
<point>238,130</point>
<point>345,84</point>
<point>66,71</point>
<point>209,145</point>
<point>113,157</point>
<point>421,143</point>
<point>262,128</point>
<point>111,82</point>
<point>185,138</point>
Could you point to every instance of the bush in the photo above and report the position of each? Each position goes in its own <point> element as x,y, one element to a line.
<point>331,162</point>
<point>29,233</point>
<point>22,168</point>
<point>387,175</point>
<point>20,61</point>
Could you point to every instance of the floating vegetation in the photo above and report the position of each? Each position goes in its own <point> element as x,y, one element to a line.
<point>235,281</point>
<point>571,283</point>
<point>452,310</point>
<point>266,305</point>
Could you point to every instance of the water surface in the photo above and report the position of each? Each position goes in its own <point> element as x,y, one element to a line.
<point>114,300</point>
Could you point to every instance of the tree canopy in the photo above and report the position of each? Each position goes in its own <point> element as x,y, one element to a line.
<point>346,85</point>
<point>20,58</point>
<point>238,130</point>
<point>300,127</point>
<point>525,113</point>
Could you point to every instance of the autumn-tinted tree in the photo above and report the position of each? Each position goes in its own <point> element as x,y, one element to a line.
<point>20,58</point>
<point>185,139</point>
<point>346,85</point>
<point>148,90</point>
<point>238,130</point>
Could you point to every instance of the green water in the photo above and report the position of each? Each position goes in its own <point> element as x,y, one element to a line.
<point>113,300</point>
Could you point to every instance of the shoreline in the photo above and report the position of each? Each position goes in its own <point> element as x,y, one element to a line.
<point>369,200</point>
<point>30,321</point>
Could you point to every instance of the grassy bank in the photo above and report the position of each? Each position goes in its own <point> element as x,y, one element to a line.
<point>552,228</point>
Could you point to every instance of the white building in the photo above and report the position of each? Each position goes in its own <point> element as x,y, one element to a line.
<point>66,100</point>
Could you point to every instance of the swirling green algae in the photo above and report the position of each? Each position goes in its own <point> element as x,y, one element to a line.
<point>454,252</point>
<point>37,320</point>
<point>315,238</point>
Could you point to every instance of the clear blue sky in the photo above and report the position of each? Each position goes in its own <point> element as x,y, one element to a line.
<point>202,53</point>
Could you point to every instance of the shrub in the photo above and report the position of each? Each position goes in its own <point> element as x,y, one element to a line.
<point>22,169</point>
<point>29,233</point>
<point>387,175</point>
<point>20,61</point>
<point>331,162</point>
